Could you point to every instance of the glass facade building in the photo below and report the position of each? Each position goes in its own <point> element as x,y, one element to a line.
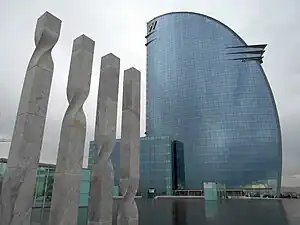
<point>161,164</point>
<point>206,87</point>
<point>43,192</point>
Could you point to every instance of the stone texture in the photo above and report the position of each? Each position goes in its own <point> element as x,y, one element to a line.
<point>66,188</point>
<point>102,175</point>
<point>19,181</point>
<point>130,148</point>
<point>1,181</point>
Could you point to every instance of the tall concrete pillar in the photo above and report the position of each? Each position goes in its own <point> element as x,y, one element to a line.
<point>1,181</point>
<point>102,175</point>
<point>66,188</point>
<point>24,154</point>
<point>130,148</point>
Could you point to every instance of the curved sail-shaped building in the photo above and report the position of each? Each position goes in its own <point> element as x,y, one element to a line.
<point>206,88</point>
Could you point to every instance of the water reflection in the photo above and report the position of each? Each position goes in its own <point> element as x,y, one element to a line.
<point>199,212</point>
<point>178,213</point>
<point>211,209</point>
<point>227,212</point>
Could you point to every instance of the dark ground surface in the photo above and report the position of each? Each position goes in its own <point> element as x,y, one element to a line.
<point>199,212</point>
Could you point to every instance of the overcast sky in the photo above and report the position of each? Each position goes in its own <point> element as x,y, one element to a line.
<point>119,27</point>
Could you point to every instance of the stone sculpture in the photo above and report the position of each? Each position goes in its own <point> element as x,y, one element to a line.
<point>66,189</point>
<point>1,181</point>
<point>102,174</point>
<point>20,179</point>
<point>130,148</point>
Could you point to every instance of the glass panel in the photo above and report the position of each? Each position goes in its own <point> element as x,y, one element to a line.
<point>221,109</point>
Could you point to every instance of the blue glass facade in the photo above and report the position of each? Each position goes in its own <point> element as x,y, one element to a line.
<point>220,106</point>
<point>178,170</point>
<point>161,164</point>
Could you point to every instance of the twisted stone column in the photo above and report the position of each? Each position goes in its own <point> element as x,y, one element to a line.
<point>66,188</point>
<point>102,175</point>
<point>1,181</point>
<point>24,154</point>
<point>130,148</point>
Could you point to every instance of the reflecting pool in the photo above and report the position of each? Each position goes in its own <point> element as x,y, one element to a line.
<point>199,212</point>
